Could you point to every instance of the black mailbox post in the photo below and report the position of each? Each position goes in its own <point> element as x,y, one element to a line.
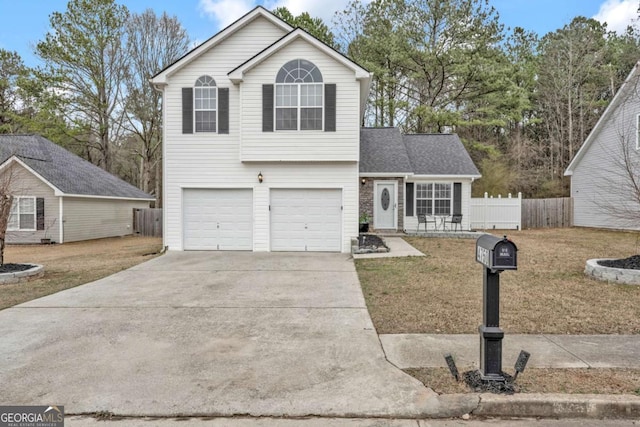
<point>496,255</point>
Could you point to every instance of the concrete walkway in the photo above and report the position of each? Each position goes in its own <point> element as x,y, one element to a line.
<point>398,247</point>
<point>547,351</point>
<point>212,334</point>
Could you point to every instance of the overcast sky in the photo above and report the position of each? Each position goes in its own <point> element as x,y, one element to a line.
<point>27,21</point>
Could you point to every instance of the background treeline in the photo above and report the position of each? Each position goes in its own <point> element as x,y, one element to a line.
<point>522,104</point>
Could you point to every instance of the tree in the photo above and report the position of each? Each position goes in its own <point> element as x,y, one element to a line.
<point>6,200</point>
<point>314,26</point>
<point>86,64</point>
<point>153,43</point>
<point>11,69</point>
<point>375,43</point>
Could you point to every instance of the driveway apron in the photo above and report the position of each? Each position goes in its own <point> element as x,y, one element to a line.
<point>208,333</point>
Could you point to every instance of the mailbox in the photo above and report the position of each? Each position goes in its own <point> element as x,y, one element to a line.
<point>496,254</point>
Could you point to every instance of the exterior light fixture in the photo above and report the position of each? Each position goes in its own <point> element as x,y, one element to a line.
<point>363,181</point>
<point>260,177</point>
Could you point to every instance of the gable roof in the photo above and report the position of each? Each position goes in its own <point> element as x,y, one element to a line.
<point>257,12</point>
<point>387,151</point>
<point>237,73</point>
<point>439,154</point>
<point>619,97</point>
<point>62,170</point>
<point>382,151</point>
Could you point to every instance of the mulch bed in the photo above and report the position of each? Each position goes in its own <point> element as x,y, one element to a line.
<point>631,263</point>
<point>14,268</point>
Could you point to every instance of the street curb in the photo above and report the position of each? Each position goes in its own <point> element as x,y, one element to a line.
<point>597,406</point>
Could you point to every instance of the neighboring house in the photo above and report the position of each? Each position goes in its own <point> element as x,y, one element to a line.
<point>261,141</point>
<point>600,184</point>
<point>413,174</point>
<point>59,196</point>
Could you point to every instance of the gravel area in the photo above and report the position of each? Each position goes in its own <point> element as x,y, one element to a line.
<point>631,263</point>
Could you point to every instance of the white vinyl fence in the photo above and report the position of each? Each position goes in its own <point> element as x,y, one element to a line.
<point>500,213</point>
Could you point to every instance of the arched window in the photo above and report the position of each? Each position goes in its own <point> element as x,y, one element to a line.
<point>299,101</point>
<point>206,105</point>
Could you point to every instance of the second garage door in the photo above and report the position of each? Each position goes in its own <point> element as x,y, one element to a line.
<point>218,219</point>
<point>306,220</point>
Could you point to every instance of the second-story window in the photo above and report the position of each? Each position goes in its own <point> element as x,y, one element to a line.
<point>205,104</point>
<point>298,96</point>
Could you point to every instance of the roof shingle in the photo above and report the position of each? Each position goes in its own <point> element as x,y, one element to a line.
<point>386,150</point>
<point>64,170</point>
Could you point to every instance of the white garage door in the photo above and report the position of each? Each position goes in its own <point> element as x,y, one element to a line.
<point>306,220</point>
<point>220,219</point>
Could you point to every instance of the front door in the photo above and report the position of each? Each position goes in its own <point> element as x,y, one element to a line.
<point>384,215</point>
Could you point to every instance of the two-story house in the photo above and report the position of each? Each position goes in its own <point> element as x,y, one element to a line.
<point>261,141</point>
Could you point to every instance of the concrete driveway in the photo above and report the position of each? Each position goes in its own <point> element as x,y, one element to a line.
<point>209,333</point>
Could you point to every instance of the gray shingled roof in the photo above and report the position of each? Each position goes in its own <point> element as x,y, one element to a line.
<point>439,154</point>
<point>64,170</point>
<point>386,150</point>
<point>382,151</point>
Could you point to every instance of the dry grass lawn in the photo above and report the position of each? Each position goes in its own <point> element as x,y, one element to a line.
<point>73,264</point>
<point>442,292</point>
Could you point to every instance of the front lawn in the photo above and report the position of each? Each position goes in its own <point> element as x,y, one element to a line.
<point>442,292</point>
<point>73,264</point>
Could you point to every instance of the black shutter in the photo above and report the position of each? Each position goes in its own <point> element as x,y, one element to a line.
<point>187,110</point>
<point>330,108</point>
<point>39,213</point>
<point>408,197</point>
<point>457,198</point>
<point>267,108</point>
<point>223,110</point>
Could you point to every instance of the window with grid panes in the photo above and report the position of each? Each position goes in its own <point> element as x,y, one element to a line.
<point>299,96</point>
<point>205,102</point>
<point>433,199</point>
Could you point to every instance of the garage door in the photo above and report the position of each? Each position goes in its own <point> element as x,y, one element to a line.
<point>220,219</point>
<point>306,220</point>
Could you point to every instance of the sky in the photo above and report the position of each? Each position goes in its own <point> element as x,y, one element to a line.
<point>25,22</point>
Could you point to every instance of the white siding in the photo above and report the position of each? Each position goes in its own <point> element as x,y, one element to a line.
<point>598,180</point>
<point>90,218</point>
<point>411,222</point>
<point>24,183</point>
<point>209,160</point>
<point>341,145</point>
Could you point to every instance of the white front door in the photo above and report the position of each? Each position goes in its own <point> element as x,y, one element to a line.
<point>384,215</point>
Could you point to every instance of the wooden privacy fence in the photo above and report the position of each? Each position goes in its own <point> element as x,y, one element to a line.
<point>147,222</point>
<point>553,213</point>
<point>501,213</point>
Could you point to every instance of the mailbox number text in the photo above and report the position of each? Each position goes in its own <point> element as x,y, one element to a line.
<point>482,255</point>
